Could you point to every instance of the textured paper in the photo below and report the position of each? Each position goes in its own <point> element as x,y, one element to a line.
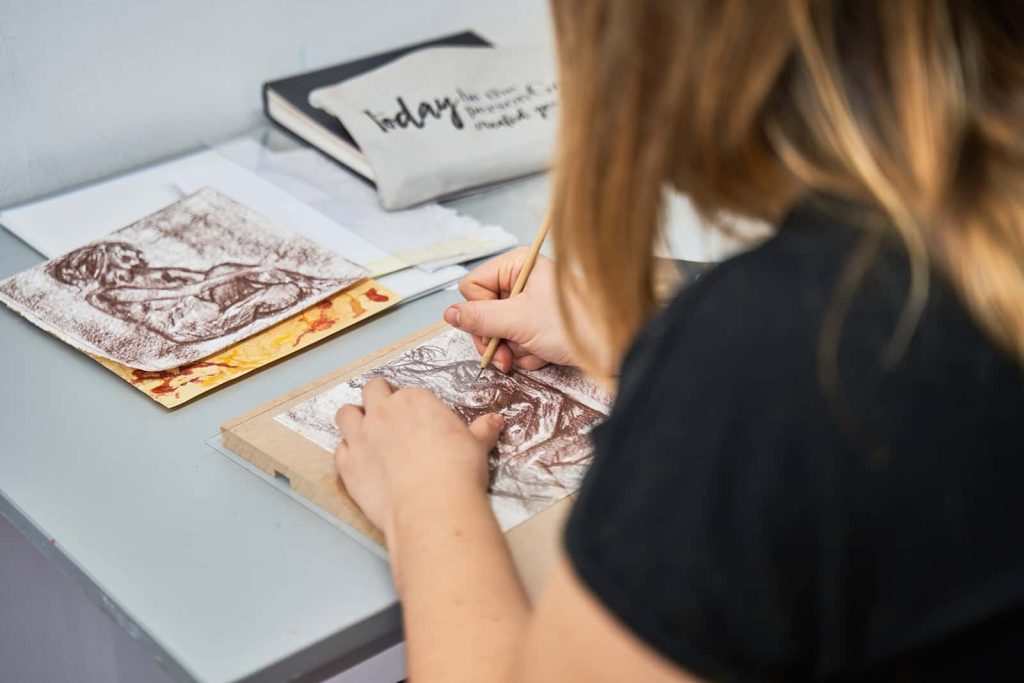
<point>172,388</point>
<point>179,285</point>
<point>544,449</point>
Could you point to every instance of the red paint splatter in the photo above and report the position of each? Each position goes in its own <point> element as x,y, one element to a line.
<point>357,308</point>
<point>164,388</point>
<point>167,377</point>
<point>373,295</point>
<point>187,370</point>
<point>321,323</point>
<point>53,541</point>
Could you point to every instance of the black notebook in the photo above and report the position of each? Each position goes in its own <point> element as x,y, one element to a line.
<point>286,101</point>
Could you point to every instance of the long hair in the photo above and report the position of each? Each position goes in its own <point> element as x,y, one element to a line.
<point>913,108</point>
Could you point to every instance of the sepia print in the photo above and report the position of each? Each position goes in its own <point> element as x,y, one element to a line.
<point>542,453</point>
<point>179,285</point>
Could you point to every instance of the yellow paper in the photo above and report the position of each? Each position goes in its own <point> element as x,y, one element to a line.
<point>172,388</point>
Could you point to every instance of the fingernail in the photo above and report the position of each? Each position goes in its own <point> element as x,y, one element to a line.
<point>452,316</point>
<point>498,420</point>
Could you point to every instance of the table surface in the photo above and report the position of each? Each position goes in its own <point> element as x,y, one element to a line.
<point>219,574</point>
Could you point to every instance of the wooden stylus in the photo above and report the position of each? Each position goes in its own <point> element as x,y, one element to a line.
<point>517,287</point>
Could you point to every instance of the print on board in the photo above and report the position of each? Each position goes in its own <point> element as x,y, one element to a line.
<point>544,449</point>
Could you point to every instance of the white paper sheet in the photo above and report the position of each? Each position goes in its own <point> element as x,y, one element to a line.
<point>429,236</point>
<point>59,224</point>
<point>56,225</point>
<point>280,207</point>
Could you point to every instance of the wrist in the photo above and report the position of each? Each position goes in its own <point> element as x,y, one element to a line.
<point>427,512</point>
<point>435,492</point>
<point>451,467</point>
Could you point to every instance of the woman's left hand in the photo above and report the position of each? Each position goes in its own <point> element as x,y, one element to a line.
<point>402,444</point>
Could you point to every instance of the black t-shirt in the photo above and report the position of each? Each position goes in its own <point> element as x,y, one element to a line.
<point>750,517</point>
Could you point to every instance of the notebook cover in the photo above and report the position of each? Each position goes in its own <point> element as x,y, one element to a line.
<point>296,88</point>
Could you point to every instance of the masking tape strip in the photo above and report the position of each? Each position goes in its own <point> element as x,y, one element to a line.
<point>431,252</point>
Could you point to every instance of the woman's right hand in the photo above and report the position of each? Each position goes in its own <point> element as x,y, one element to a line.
<point>529,324</point>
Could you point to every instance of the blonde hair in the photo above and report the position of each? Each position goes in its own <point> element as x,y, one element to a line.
<point>914,108</point>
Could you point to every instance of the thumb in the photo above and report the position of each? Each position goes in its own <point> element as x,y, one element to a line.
<point>487,318</point>
<point>487,428</point>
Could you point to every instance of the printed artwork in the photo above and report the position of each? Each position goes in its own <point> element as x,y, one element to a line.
<point>178,285</point>
<point>544,450</point>
<point>172,388</point>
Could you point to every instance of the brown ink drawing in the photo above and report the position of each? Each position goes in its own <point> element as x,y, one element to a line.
<point>544,450</point>
<point>179,285</point>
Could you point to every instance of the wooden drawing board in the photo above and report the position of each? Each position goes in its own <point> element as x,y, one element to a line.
<point>279,452</point>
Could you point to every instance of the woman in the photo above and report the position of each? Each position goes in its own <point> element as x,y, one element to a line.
<point>813,465</point>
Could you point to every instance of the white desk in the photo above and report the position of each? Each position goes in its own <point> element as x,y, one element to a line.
<point>219,575</point>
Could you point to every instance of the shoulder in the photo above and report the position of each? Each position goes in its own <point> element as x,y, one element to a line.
<point>751,324</point>
<point>793,274</point>
<point>712,463</point>
<point>727,497</point>
<point>727,374</point>
<point>698,490</point>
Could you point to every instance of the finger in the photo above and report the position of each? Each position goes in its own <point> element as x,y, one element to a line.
<point>349,419</point>
<point>493,279</point>
<point>480,343</point>
<point>524,359</point>
<point>480,284</point>
<point>503,318</point>
<point>518,350</point>
<point>503,359</point>
<point>530,362</point>
<point>340,456</point>
<point>452,316</point>
<point>487,428</point>
<point>375,391</point>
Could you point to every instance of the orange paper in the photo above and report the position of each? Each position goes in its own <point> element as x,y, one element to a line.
<point>174,387</point>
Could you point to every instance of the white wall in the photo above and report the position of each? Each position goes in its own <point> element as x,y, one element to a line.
<point>90,88</point>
